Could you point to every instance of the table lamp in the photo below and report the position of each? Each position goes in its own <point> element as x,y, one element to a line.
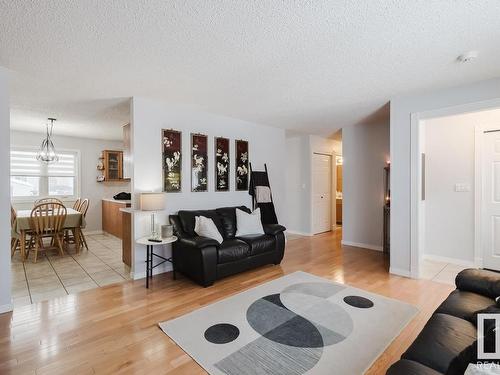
<point>153,202</point>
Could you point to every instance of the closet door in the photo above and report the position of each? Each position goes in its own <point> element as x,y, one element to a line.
<point>322,193</point>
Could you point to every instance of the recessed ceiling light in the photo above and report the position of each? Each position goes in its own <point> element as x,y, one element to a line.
<point>467,57</point>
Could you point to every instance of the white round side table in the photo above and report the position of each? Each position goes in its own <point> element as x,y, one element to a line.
<point>150,254</point>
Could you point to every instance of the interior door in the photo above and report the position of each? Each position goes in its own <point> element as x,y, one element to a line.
<point>490,206</point>
<point>322,193</point>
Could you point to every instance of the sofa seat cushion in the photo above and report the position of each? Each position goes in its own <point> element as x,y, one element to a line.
<point>232,250</point>
<point>405,367</point>
<point>464,304</point>
<point>442,339</point>
<point>259,243</point>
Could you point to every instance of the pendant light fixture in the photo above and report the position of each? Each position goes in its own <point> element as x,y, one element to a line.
<point>47,152</point>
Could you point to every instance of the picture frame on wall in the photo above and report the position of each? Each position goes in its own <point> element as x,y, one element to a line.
<point>241,151</point>
<point>199,162</point>
<point>222,163</point>
<point>171,160</point>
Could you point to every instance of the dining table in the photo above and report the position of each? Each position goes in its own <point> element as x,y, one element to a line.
<point>74,221</point>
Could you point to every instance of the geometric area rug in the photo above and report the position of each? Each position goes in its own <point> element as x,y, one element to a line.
<point>297,324</point>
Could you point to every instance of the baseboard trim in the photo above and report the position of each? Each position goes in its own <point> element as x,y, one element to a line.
<point>458,262</point>
<point>299,233</point>
<point>399,272</point>
<point>92,232</point>
<point>6,308</point>
<point>362,245</point>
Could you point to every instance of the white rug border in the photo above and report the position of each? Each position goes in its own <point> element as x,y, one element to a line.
<point>417,311</point>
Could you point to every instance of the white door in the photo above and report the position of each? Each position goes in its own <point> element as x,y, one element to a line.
<point>490,207</point>
<point>322,193</point>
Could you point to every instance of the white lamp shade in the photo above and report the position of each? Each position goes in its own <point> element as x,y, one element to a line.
<point>152,201</point>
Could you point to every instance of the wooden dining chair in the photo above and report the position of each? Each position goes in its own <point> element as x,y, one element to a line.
<point>84,207</point>
<point>77,203</point>
<point>70,234</point>
<point>47,221</point>
<point>14,237</point>
<point>48,200</point>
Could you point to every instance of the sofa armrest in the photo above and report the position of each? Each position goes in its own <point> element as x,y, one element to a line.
<point>273,229</point>
<point>198,242</point>
<point>486,283</point>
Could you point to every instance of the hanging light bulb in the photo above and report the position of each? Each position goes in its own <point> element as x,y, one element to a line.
<point>47,152</point>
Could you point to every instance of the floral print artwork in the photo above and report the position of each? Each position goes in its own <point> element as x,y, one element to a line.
<point>172,160</point>
<point>222,164</point>
<point>199,159</point>
<point>241,165</point>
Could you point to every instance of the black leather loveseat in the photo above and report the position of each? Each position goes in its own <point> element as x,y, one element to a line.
<point>447,344</point>
<point>205,260</point>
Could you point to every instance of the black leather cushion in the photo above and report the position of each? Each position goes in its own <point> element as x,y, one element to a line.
<point>464,304</point>
<point>405,367</point>
<point>187,220</point>
<point>483,282</point>
<point>227,216</point>
<point>442,339</point>
<point>273,229</point>
<point>259,243</point>
<point>469,354</point>
<point>199,242</point>
<point>231,250</point>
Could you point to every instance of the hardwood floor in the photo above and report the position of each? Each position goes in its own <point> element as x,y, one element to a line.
<point>114,329</point>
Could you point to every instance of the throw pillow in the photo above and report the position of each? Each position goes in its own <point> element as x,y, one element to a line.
<point>205,227</point>
<point>248,223</point>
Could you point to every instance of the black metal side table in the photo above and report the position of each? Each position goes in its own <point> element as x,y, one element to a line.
<point>150,254</point>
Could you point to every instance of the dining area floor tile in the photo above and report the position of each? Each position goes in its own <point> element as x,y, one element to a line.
<point>54,275</point>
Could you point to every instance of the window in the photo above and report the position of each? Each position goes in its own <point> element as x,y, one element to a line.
<point>31,179</point>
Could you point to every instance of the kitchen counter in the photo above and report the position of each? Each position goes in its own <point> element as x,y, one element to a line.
<point>117,200</point>
<point>112,216</point>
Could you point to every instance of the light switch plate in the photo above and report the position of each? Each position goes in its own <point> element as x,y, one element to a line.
<point>462,187</point>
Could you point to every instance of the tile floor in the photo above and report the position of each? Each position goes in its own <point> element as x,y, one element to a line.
<point>440,271</point>
<point>54,276</point>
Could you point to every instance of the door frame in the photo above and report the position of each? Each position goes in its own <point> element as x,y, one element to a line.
<point>333,188</point>
<point>416,211</point>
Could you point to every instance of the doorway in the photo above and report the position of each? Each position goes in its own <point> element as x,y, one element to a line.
<point>456,217</point>
<point>322,192</point>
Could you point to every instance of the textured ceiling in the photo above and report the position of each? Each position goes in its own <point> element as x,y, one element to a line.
<point>312,66</point>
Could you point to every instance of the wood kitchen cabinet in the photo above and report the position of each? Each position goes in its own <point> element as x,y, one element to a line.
<point>112,217</point>
<point>113,165</point>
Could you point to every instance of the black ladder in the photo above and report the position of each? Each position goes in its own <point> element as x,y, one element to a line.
<point>267,211</point>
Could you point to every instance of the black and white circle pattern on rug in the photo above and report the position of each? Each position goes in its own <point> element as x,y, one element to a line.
<point>222,333</point>
<point>358,301</point>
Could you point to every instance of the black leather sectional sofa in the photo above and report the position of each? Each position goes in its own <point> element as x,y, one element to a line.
<point>205,260</point>
<point>447,344</point>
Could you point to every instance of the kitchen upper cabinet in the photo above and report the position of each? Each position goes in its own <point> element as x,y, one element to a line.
<point>113,165</point>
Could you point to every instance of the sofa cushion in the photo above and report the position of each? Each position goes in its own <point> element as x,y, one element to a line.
<point>227,216</point>
<point>479,281</point>
<point>187,219</point>
<point>231,250</point>
<point>259,243</point>
<point>442,339</point>
<point>464,304</point>
<point>405,367</point>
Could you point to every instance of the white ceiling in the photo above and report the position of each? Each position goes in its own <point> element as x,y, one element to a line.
<point>312,66</point>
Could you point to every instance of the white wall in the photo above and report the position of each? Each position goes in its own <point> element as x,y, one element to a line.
<point>90,150</point>
<point>400,145</point>
<point>299,151</point>
<point>266,145</point>
<point>449,215</point>
<point>450,158</point>
<point>5,297</point>
<point>365,151</point>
